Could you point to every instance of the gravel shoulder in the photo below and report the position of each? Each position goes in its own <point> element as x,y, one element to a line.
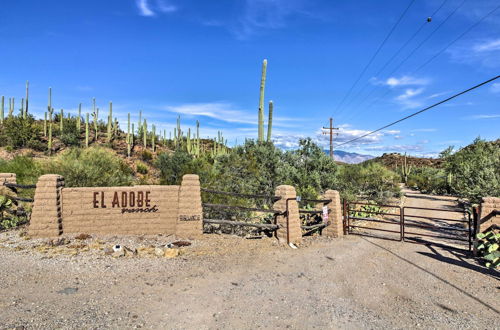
<point>230,282</point>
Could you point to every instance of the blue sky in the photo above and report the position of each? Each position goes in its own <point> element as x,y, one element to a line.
<point>202,60</point>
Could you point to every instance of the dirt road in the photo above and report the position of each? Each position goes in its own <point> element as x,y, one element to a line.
<point>224,282</point>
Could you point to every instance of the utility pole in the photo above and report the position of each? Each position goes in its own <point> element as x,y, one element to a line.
<point>331,132</point>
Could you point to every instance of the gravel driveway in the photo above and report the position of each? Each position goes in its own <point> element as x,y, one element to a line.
<point>230,282</point>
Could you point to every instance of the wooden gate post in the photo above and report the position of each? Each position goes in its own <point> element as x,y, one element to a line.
<point>289,230</point>
<point>335,224</point>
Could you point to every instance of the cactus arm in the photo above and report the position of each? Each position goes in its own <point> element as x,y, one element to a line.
<point>270,121</point>
<point>2,110</point>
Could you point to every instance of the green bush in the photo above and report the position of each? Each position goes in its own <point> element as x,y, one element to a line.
<point>26,169</point>
<point>17,132</point>
<point>429,180</point>
<point>475,170</point>
<point>92,167</point>
<point>370,180</point>
<point>141,167</point>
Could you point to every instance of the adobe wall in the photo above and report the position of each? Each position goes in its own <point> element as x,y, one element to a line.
<point>488,205</point>
<point>116,210</point>
<point>120,210</point>
<point>335,226</point>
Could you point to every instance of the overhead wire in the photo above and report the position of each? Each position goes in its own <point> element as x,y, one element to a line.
<point>437,54</point>
<point>375,88</point>
<point>374,55</point>
<point>420,111</point>
<point>403,46</point>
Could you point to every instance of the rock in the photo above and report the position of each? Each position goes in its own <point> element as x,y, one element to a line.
<point>171,253</point>
<point>129,252</point>
<point>159,252</point>
<point>108,251</point>
<point>118,251</point>
<point>58,241</point>
<point>179,244</point>
<point>83,237</point>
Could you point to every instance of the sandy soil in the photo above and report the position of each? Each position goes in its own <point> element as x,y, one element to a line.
<point>225,282</point>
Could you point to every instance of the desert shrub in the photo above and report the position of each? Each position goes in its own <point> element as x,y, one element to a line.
<point>174,165</point>
<point>475,170</point>
<point>308,169</point>
<point>26,169</point>
<point>92,167</point>
<point>146,155</point>
<point>429,180</point>
<point>371,181</point>
<point>141,167</point>
<point>17,131</point>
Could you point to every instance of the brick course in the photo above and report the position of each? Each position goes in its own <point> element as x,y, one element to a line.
<point>293,228</point>
<point>488,205</point>
<point>335,227</point>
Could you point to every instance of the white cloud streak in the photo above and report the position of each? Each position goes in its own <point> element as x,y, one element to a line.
<point>148,9</point>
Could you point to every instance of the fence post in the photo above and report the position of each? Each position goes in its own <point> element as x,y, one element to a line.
<point>7,178</point>
<point>289,230</point>
<point>190,216</point>
<point>46,217</point>
<point>335,226</point>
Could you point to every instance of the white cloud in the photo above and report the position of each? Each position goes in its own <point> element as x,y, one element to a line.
<point>261,15</point>
<point>492,116</point>
<point>495,88</point>
<point>487,46</point>
<point>402,81</point>
<point>146,8</point>
<point>424,130</point>
<point>220,111</point>
<point>407,99</point>
<point>165,7</point>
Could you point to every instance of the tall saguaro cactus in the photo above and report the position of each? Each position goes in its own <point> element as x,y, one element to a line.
<point>129,140</point>
<point>2,110</point>
<point>270,121</point>
<point>406,169</point>
<point>45,124</point>
<point>110,122</point>
<point>261,101</point>
<point>78,123</point>
<point>87,130</point>
<point>61,121</point>
<point>95,116</point>
<point>25,113</point>
<point>50,110</point>
<point>145,133</point>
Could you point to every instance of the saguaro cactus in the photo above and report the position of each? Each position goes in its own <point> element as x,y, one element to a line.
<point>406,169</point>
<point>87,130</point>
<point>145,133</point>
<point>270,121</point>
<point>27,96</point>
<point>129,140</point>
<point>78,123</point>
<point>2,110</point>
<point>153,137</point>
<point>22,109</point>
<point>50,110</point>
<point>110,122</point>
<point>61,121</point>
<point>11,109</point>
<point>95,117</point>
<point>261,101</point>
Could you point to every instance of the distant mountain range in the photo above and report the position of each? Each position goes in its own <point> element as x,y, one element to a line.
<point>349,157</point>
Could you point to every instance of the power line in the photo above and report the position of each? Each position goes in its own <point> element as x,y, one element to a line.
<point>433,57</point>
<point>415,49</point>
<point>420,111</point>
<point>403,46</point>
<point>456,39</point>
<point>375,55</point>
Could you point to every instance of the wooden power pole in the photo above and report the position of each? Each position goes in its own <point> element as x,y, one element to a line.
<point>330,131</point>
